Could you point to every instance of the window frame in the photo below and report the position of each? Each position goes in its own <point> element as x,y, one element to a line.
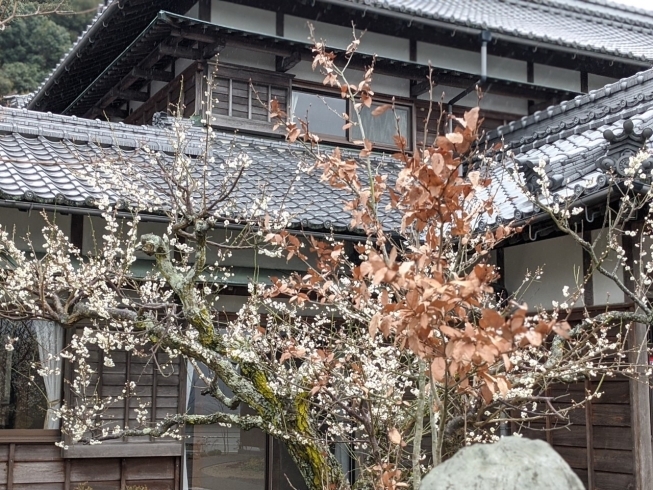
<point>250,76</point>
<point>321,90</point>
<point>11,436</point>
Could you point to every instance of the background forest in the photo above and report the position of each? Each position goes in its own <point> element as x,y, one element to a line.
<point>31,47</point>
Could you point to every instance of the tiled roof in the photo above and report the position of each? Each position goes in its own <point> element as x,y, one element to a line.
<point>44,158</point>
<point>570,136</point>
<point>110,32</point>
<point>586,25</point>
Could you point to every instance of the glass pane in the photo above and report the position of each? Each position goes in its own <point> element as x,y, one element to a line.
<point>382,129</point>
<point>321,112</point>
<point>220,458</point>
<point>23,398</point>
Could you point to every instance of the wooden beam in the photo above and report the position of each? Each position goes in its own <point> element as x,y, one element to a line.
<point>153,75</point>
<point>287,62</point>
<point>210,50</point>
<point>180,52</point>
<point>640,406</point>
<point>584,82</point>
<point>130,95</point>
<point>193,35</point>
<point>419,88</point>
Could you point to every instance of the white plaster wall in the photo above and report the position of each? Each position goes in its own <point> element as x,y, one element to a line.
<point>490,102</point>
<point>254,59</point>
<point>551,76</point>
<point>595,82</point>
<point>506,68</point>
<point>296,29</point>
<point>155,86</point>
<point>470,61</point>
<point>194,11</point>
<point>133,105</point>
<point>181,64</point>
<point>94,229</point>
<point>605,290</point>
<point>381,84</point>
<point>243,17</point>
<point>19,223</point>
<point>559,258</point>
<point>445,57</point>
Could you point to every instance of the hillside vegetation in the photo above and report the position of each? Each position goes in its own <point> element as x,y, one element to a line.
<point>31,47</point>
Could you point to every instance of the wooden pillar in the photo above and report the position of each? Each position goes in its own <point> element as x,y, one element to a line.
<point>640,406</point>
<point>584,82</point>
<point>205,10</point>
<point>530,78</point>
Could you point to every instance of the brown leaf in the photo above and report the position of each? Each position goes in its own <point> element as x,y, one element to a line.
<point>374,325</point>
<point>455,138</point>
<point>474,177</point>
<point>471,118</point>
<point>438,369</point>
<point>394,436</point>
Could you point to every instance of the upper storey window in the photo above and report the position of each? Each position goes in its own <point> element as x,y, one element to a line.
<point>324,114</point>
<point>241,95</point>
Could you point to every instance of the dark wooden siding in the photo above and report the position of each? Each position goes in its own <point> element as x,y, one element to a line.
<point>241,97</point>
<point>153,373</point>
<point>598,442</point>
<point>167,99</point>
<point>491,119</point>
<point>41,467</point>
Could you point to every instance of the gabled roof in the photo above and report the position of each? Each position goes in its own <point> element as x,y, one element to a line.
<point>570,137</point>
<point>110,32</point>
<point>45,158</point>
<point>585,25</point>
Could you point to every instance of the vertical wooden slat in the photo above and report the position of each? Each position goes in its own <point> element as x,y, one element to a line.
<point>588,295</point>
<point>269,100</point>
<point>249,101</point>
<point>231,97</point>
<point>10,467</point>
<point>640,406</point>
<point>547,423</point>
<point>178,473</point>
<point>127,380</point>
<point>67,469</point>
<point>155,384</point>
<point>589,437</point>
<point>123,473</point>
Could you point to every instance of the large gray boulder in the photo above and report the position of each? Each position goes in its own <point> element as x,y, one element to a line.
<point>513,463</point>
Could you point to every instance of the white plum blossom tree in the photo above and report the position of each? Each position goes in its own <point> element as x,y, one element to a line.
<point>395,347</point>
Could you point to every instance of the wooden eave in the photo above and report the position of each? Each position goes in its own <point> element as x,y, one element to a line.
<point>170,36</point>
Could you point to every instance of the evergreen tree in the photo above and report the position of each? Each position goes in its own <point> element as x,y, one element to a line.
<point>31,47</point>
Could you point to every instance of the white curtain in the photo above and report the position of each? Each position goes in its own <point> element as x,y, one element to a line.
<point>190,371</point>
<point>50,338</point>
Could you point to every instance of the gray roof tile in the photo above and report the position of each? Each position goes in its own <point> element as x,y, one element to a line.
<point>591,25</point>
<point>50,169</point>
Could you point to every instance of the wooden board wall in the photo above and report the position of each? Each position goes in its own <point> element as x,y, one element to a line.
<point>598,442</point>
<point>41,467</point>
